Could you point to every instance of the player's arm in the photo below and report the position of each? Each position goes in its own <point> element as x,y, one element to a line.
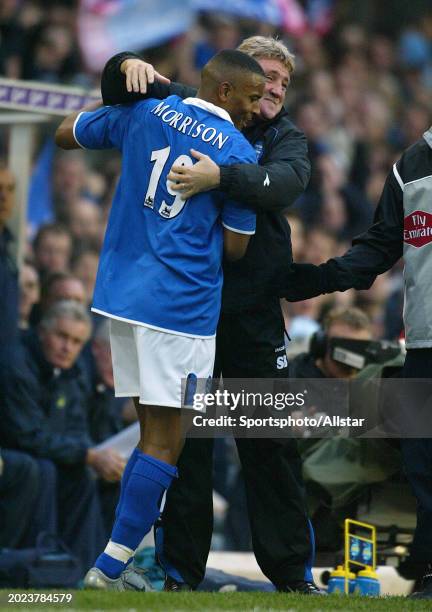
<point>235,244</point>
<point>127,78</point>
<point>103,128</point>
<point>239,223</point>
<point>64,136</point>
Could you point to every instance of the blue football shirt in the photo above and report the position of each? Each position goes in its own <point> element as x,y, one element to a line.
<point>161,261</point>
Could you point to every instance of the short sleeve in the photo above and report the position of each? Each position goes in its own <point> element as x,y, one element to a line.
<point>236,216</point>
<point>104,128</point>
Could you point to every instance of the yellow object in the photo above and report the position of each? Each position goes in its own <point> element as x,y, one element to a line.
<point>350,525</point>
<point>368,573</point>
<point>339,572</point>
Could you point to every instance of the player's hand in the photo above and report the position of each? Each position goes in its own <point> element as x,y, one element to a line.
<point>190,180</point>
<point>139,74</point>
<point>107,463</point>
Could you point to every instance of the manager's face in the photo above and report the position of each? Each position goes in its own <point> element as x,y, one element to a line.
<point>276,84</point>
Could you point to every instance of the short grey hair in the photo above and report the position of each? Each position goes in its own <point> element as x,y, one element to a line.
<point>267,47</point>
<point>65,309</point>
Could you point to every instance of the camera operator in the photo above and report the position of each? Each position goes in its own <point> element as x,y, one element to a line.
<point>349,323</point>
<point>338,469</point>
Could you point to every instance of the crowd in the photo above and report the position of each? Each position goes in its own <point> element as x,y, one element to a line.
<point>361,96</point>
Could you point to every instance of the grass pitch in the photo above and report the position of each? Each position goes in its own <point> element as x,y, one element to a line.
<point>247,602</point>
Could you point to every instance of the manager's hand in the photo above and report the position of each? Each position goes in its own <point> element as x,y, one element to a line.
<point>139,74</point>
<point>190,180</point>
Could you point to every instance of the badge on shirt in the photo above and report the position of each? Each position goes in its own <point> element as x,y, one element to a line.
<point>60,402</point>
<point>259,149</point>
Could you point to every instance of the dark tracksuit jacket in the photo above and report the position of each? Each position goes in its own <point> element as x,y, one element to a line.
<point>42,409</point>
<point>249,338</point>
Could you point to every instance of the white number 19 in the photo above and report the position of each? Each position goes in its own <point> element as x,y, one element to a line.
<point>168,211</point>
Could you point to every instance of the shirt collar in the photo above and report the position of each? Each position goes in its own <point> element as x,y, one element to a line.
<point>208,106</point>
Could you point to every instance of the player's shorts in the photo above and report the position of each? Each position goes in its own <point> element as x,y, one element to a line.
<point>151,364</point>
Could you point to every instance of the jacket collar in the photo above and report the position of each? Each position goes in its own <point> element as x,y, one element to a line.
<point>261,125</point>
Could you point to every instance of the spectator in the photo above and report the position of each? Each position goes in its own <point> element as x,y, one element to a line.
<point>84,266</point>
<point>8,273</point>
<point>320,244</point>
<point>11,35</point>
<point>44,414</point>
<point>334,203</point>
<point>52,249</point>
<point>84,219</point>
<point>62,286</point>
<point>27,506</point>
<point>221,32</point>
<point>56,287</point>
<point>52,59</point>
<point>29,293</point>
<point>69,181</point>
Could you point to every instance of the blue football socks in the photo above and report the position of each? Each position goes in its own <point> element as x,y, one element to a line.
<point>148,479</point>
<point>126,473</point>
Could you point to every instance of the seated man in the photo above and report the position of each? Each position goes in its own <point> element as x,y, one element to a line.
<point>160,272</point>
<point>27,504</point>
<point>44,415</point>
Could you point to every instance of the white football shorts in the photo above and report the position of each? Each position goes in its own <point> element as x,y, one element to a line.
<point>150,364</point>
